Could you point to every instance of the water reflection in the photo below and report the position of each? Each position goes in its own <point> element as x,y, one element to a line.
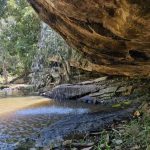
<point>12,104</point>
<point>54,110</point>
<point>25,117</point>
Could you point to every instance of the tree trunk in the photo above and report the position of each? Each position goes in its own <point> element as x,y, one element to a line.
<point>68,67</point>
<point>5,73</point>
<point>66,72</point>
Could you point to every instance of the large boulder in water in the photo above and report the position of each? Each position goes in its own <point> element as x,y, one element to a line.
<point>68,91</point>
<point>114,35</point>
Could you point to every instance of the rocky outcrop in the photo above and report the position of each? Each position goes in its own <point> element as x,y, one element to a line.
<point>68,92</point>
<point>113,34</point>
<point>78,125</point>
<point>16,90</point>
<point>102,91</point>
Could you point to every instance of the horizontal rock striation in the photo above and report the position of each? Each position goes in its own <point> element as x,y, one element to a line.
<point>101,91</point>
<point>114,35</point>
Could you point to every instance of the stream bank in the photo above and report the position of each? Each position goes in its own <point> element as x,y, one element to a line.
<point>128,134</point>
<point>71,110</point>
<point>16,90</point>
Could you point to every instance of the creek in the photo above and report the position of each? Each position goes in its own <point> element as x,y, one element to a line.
<point>24,117</point>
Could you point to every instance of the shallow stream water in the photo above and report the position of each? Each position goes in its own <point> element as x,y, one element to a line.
<point>23,117</point>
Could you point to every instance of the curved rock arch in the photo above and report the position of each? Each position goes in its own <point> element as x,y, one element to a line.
<point>114,35</point>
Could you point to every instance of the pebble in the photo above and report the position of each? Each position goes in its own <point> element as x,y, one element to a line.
<point>118,142</point>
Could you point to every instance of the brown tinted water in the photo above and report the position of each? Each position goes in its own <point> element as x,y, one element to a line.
<point>23,117</point>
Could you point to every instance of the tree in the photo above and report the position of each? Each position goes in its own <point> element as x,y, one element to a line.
<point>2,7</point>
<point>21,34</point>
<point>5,58</point>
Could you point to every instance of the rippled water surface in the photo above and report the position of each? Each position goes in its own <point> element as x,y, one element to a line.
<point>23,117</point>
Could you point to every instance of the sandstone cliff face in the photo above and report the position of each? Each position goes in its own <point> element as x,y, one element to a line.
<point>114,35</point>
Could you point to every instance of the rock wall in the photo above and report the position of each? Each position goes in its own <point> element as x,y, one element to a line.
<point>48,68</point>
<point>113,34</point>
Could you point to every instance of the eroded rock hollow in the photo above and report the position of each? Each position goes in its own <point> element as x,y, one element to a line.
<point>114,35</point>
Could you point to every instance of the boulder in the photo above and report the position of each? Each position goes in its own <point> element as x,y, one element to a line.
<point>101,91</point>
<point>69,92</point>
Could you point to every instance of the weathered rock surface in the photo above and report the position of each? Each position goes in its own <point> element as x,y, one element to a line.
<point>77,125</point>
<point>114,35</point>
<point>16,90</point>
<point>100,91</point>
<point>66,92</point>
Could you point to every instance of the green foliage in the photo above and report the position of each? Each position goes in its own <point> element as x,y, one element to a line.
<point>137,133</point>
<point>129,135</point>
<point>20,36</point>
<point>5,56</point>
<point>103,142</point>
<point>2,7</point>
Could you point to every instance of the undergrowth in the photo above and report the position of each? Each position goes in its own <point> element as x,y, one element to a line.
<point>133,135</point>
